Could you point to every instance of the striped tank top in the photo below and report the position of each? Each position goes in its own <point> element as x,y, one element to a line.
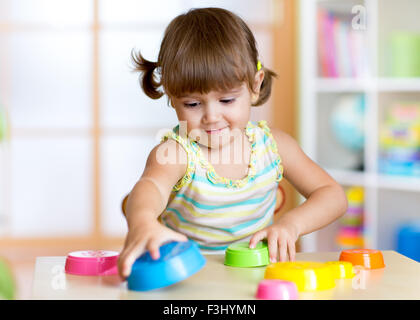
<point>216,211</point>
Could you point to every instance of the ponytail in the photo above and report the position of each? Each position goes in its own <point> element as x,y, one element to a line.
<point>265,90</point>
<point>147,77</point>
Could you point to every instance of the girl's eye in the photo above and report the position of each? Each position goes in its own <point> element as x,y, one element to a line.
<point>191,105</point>
<point>227,101</point>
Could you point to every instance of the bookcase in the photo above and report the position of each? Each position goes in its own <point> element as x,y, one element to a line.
<point>389,199</point>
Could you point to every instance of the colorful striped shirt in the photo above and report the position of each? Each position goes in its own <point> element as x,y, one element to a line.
<point>216,211</point>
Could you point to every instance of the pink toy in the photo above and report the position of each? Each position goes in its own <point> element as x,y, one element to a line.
<point>273,289</point>
<point>92,263</point>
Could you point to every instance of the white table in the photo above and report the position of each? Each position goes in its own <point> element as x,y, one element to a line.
<point>400,279</point>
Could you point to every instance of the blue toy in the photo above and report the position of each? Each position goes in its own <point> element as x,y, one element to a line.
<point>408,240</point>
<point>178,261</point>
<point>347,122</point>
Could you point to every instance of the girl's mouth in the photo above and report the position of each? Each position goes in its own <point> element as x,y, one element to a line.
<point>214,131</point>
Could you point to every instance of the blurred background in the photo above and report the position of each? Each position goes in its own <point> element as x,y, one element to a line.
<point>75,127</point>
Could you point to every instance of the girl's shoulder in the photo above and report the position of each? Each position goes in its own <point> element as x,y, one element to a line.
<point>165,164</point>
<point>176,142</point>
<point>178,149</point>
<point>282,142</point>
<point>168,154</point>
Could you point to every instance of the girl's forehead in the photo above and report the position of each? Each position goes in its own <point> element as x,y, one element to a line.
<point>234,90</point>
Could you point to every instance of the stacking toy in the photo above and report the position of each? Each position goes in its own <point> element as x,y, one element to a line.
<point>308,276</point>
<point>276,290</point>
<point>367,258</point>
<point>177,262</point>
<point>341,269</point>
<point>408,240</point>
<point>240,255</point>
<point>92,263</point>
<point>350,234</point>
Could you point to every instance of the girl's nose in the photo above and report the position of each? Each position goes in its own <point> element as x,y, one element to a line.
<point>211,115</point>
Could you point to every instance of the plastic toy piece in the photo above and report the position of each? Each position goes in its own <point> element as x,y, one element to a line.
<point>177,262</point>
<point>408,239</point>
<point>240,255</point>
<point>341,269</point>
<point>367,258</point>
<point>7,281</point>
<point>92,263</point>
<point>276,290</point>
<point>308,276</point>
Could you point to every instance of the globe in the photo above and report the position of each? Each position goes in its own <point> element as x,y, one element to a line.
<point>347,122</point>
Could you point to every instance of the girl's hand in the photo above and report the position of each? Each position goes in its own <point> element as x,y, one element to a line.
<point>146,237</point>
<point>281,238</point>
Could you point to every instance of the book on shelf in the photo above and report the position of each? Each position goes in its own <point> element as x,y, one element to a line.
<point>342,50</point>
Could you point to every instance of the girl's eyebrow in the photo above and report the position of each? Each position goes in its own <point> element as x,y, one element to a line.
<point>234,90</point>
<point>198,96</point>
<point>190,95</point>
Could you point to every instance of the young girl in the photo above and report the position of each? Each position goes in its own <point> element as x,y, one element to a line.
<point>213,178</point>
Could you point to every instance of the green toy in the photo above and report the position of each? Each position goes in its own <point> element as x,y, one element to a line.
<point>405,48</point>
<point>7,283</point>
<point>3,124</point>
<point>240,255</point>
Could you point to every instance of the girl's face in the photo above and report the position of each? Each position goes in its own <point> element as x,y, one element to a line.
<point>216,118</point>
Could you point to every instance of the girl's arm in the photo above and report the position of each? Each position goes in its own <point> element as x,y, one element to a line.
<point>165,165</point>
<point>325,200</point>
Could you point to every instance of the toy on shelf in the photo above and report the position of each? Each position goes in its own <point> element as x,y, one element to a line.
<point>4,128</point>
<point>350,234</point>
<point>347,121</point>
<point>405,47</point>
<point>408,239</point>
<point>399,141</point>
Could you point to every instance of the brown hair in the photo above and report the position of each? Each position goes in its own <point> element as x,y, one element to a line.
<point>202,50</point>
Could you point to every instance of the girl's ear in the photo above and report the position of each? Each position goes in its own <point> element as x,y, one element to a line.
<point>255,94</point>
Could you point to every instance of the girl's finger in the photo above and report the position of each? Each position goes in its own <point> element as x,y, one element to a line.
<point>132,253</point>
<point>154,245</point>
<point>292,250</point>
<point>283,250</point>
<point>153,248</point>
<point>258,236</point>
<point>179,237</point>
<point>272,248</point>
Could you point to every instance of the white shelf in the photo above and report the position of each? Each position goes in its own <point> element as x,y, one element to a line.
<point>399,183</point>
<point>347,177</point>
<point>399,84</point>
<point>372,180</point>
<point>367,84</point>
<point>343,84</point>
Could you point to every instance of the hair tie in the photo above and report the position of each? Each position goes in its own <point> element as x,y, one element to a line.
<point>258,65</point>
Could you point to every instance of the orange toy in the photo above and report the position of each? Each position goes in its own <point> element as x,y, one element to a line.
<point>368,258</point>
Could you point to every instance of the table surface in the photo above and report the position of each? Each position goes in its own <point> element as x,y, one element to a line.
<point>400,279</point>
